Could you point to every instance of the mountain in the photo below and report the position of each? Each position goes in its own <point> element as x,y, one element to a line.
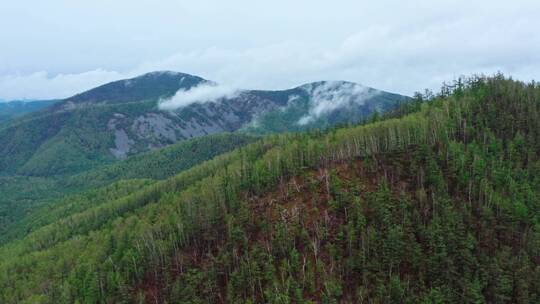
<point>124,118</point>
<point>323,104</point>
<point>78,133</point>
<point>434,202</point>
<point>150,86</point>
<point>27,201</point>
<point>11,109</point>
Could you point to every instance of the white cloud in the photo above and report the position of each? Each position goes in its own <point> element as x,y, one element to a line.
<point>203,93</point>
<point>414,45</point>
<point>333,95</point>
<point>41,85</point>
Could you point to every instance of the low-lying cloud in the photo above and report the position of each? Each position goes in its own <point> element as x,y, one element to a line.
<point>203,93</point>
<point>333,95</point>
<point>392,50</point>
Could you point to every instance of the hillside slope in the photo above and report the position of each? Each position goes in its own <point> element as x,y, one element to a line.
<point>124,118</point>
<point>26,201</point>
<point>16,108</point>
<point>437,204</point>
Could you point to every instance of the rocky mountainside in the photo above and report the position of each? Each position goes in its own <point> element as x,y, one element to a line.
<point>126,117</point>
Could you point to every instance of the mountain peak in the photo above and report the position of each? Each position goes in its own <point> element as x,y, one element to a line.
<point>149,86</point>
<point>164,73</point>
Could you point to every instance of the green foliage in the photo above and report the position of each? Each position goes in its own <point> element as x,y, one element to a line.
<point>14,109</point>
<point>437,203</point>
<point>288,118</point>
<point>79,133</point>
<point>164,162</point>
<point>27,200</point>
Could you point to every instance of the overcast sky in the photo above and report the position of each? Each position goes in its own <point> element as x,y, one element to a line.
<point>56,48</point>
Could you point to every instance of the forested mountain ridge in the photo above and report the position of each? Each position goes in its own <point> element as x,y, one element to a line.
<point>149,86</point>
<point>16,108</point>
<point>436,202</point>
<point>27,201</point>
<point>124,118</point>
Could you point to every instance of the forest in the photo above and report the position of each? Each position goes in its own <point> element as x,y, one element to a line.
<point>27,200</point>
<point>437,201</point>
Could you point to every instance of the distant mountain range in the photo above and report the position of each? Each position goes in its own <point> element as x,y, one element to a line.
<point>12,109</point>
<point>154,110</point>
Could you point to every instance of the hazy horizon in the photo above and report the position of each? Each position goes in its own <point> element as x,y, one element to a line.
<point>60,48</point>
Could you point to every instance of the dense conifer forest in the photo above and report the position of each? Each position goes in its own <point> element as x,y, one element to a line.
<point>26,200</point>
<point>437,201</point>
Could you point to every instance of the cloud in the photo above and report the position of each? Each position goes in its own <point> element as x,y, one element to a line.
<point>203,93</point>
<point>402,50</point>
<point>332,95</point>
<point>41,85</point>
